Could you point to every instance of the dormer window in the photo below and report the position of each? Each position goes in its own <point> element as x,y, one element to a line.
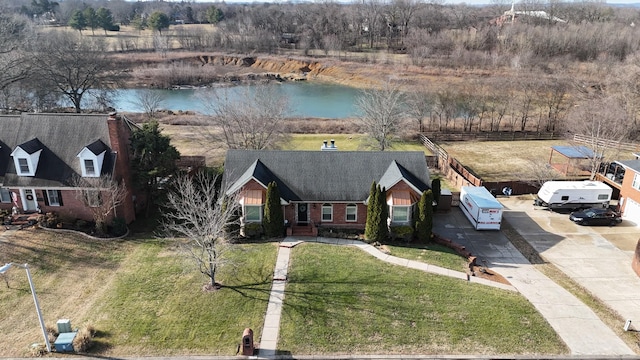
<point>23,164</point>
<point>91,159</point>
<point>26,157</point>
<point>89,167</point>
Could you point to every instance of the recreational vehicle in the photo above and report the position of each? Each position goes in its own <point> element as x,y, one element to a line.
<point>573,195</point>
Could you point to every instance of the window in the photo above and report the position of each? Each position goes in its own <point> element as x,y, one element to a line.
<point>253,213</point>
<point>89,167</point>
<point>565,198</point>
<point>327,212</point>
<point>603,197</point>
<point>636,182</point>
<point>5,195</point>
<point>53,198</point>
<point>400,213</point>
<point>352,212</point>
<point>24,165</point>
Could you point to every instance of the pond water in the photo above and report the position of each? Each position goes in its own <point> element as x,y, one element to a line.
<point>305,99</point>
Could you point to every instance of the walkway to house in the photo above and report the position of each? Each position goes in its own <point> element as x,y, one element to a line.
<point>578,326</point>
<point>269,338</point>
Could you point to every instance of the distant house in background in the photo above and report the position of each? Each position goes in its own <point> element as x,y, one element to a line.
<point>325,188</point>
<point>41,153</point>
<point>511,15</point>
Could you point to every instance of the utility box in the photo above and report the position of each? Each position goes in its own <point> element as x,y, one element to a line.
<point>247,342</point>
<point>64,342</point>
<point>64,326</point>
<point>481,208</point>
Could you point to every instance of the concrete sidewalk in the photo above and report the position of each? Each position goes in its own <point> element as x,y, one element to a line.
<point>578,326</point>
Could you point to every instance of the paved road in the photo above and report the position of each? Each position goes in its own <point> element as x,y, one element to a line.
<point>577,325</point>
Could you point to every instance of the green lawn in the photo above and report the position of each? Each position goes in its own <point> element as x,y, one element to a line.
<point>345,142</point>
<point>433,254</point>
<point>156,306</point>
<point>342,301</point>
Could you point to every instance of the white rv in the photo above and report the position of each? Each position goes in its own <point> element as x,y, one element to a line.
<point>481,208</point>
<point>573,194</point>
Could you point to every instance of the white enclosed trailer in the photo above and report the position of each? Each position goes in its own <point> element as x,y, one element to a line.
<point>573,194</point>
<point>481,208</point>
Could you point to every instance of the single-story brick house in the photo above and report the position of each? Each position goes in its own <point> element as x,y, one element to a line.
<point>325,188</point>
<point>41,153</point>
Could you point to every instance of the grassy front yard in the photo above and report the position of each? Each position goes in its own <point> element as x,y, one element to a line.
<point>433,254</point>
<point>340,300</point>
<point>146,300</point>
<point>141,296</point>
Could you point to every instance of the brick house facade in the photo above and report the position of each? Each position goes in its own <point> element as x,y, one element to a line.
<point>42,154</point>
<point>325,189</point>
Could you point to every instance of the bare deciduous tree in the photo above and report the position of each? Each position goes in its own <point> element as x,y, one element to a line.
<point>198,211</point>
<point>75,65</point>
<point>603,122</point>
<point>150,101</point>
<point>101,195</point>
<point>253,119</point>
<point>537,171</point>
<point>14,37</point>
<point>381,111</point>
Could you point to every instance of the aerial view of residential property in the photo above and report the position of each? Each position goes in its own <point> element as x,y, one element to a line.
<point>398,179</point>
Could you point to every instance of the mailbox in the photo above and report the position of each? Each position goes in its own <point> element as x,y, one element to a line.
<point>247,342</point>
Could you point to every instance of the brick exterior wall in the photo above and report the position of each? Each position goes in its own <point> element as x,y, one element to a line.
<point>120,137</point>
<point>73,208</point>
<point>627,191</point>
<point>339,218</point>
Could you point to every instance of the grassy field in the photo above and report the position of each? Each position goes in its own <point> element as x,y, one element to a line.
<point>343,301</point>
<point>433,254</point>
<point>345,142</point>
<point>141,296</point>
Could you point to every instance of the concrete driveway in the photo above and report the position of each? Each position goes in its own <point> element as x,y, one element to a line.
<point>577,325</point>
<point>597,257</point>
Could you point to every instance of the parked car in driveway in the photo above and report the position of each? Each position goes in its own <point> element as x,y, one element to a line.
<point>596,216</point>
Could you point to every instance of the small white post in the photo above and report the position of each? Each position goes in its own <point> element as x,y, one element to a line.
<point>627,325</point>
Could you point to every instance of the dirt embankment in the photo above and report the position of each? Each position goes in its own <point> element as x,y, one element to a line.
<point>202,69</point>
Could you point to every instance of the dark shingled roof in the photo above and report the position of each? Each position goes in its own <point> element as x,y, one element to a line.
<point>631,164</point>
<point>97,147</point>
<point>62,137</point>
<point>326,176</point>
<point>31,146</point>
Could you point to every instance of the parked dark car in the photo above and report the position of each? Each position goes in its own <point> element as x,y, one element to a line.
<point>596,216</point>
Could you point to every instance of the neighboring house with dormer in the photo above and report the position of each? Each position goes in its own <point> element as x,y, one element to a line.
<point>325,188</point>
<point>40,154</point>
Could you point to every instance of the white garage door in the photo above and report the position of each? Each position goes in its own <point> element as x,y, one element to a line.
<point>632,211</point>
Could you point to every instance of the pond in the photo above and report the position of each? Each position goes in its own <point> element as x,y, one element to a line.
<point>314,100</point>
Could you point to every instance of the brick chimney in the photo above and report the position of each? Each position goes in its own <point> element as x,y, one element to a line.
<point>119,136</point>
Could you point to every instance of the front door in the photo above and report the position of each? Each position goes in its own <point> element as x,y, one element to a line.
<point>303,218</point>
<point>29,201</point>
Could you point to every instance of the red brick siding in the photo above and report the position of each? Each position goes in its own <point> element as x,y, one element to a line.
<point>340,215</point>
<point>120,137</point>
<point>627,191</point>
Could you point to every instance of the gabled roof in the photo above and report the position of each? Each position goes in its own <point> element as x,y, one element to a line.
<point>62,137</point>
<point>259,172</point>
<point>396,173</point>
<point>97,147</point>
<point>31,146</point>
<point>326,176</point>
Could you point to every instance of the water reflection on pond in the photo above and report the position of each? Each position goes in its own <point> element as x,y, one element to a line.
<point>305,99</point>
